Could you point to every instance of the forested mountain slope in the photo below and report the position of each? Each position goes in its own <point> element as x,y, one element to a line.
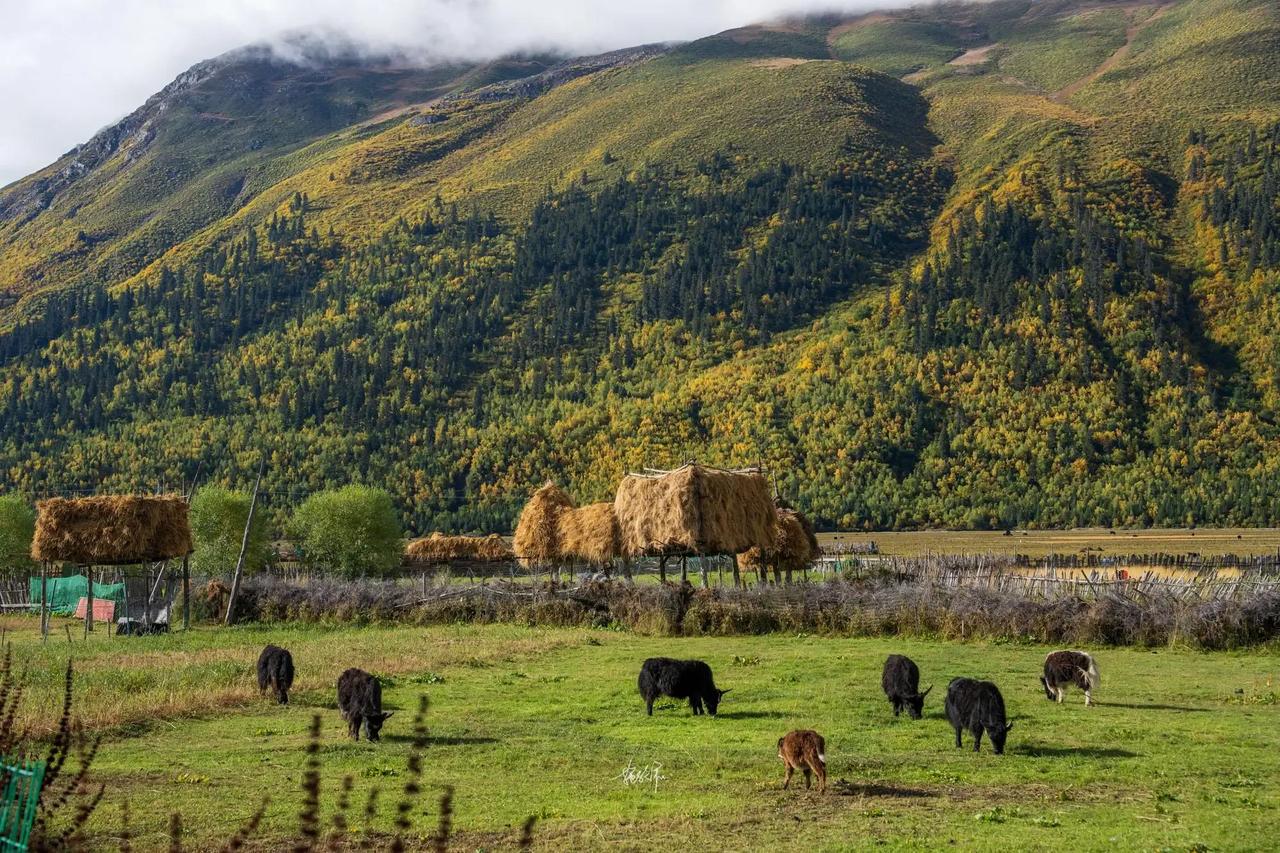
<point>1007,263</point>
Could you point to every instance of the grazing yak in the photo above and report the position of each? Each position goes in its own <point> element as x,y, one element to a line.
<point>275,670</point>
<point>1065,668</point>
<point>806,750</point>
<point>360,700</point>
<point>977,705</point>
<point>679,679</point>
<point>901,682</point>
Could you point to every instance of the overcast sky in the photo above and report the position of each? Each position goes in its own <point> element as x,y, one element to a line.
<point>70,67</point>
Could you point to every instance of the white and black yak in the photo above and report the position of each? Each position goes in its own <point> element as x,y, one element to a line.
<point>1064,668</point>
<point>275,671</point>
<point>977,705</point>
<point>805,750</point>
<point>680,679</point>
<point>360,701</point>
<point>901,682</point>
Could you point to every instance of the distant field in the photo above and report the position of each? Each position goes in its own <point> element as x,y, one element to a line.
<point>1177,754</point>
<point>1039,543</point>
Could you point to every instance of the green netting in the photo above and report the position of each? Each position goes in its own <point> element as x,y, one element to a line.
<point>65,593</point>
<point>21,781</point>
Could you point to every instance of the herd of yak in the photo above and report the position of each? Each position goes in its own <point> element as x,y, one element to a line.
<point>970,704</point>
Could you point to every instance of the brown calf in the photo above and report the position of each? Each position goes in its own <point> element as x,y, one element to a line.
<point>804,749</point>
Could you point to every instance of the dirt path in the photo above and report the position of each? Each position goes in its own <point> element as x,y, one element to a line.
<point>1114,59</point>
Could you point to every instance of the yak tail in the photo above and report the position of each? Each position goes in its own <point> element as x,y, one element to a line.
<point>1091,674</point>
<point>822,757</point>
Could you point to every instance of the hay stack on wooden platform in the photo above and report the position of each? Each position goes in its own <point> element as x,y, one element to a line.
<point>537,539</point>
<point>589,534</point>
<point>695,510</point>
<point>796,547</point>
<point>552,532</point>
<point>112,530</point>
<point>438,549</point>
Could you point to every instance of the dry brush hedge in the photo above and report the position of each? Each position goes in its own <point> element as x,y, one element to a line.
<point>876,607</point>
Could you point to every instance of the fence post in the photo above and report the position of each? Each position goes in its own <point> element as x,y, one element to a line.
<point>186,592</point>
<point>44,601</point>
<point>88,610</point>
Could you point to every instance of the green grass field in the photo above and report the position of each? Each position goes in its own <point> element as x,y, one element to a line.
<point>1179,752</point>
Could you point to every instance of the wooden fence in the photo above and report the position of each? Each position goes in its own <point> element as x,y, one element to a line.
<point>1046,580</point>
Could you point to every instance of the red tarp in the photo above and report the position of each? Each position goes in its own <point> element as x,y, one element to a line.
<point>103,611</point>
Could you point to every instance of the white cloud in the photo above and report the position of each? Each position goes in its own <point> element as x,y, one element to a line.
<point>70,67</point>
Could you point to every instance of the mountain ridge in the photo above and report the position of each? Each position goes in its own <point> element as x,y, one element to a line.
<point>952,293</point>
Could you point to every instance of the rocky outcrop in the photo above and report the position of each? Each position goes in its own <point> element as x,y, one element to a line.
<point>130,136</point>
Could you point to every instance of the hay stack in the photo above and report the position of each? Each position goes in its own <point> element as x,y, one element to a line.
<point>589,534</point>
<point>439,548</point>
<point>695,510</point>
<point>796,547</point>
<point>537,539</point>
<point>111,530</point>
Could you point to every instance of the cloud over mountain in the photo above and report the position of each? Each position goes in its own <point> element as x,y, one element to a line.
<point>68,67</point>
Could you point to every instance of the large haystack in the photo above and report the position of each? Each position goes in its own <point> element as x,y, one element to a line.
<point>537,539</point>
<point>589,534</point>
<point>796,547</point>
<point>438,549</point>
<point>111,530</point>
<point>695,510</point>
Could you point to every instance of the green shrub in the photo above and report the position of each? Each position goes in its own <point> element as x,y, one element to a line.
<point>217,521</point>
<point>353,531</point>
<point>17,526</point>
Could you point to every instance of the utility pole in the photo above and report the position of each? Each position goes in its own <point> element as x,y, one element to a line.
<point>244,544</point>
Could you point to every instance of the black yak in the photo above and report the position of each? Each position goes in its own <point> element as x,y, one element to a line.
<point>680,679</point>
<point>1065,668</point>
<point>806,750</point>
<point>977,705</point>
<point>901,682</point>
<point>360,700</point>
<point>275,670</point>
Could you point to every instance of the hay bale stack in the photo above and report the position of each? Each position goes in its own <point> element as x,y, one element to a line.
<point>796,547</point>
<point>537,539</point>
<point>111,530</point>
<point>438,548</point>
<point>695,510</point>
<point>589,534</point>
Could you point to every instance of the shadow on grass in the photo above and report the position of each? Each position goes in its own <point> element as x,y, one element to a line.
<point>750,715</point>
<point>1036,750</point>
<point>442,740</point>
<point>846,788</point>
<point>1150,707</point>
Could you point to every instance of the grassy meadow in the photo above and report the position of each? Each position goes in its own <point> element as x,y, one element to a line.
<point>1178,753</point>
